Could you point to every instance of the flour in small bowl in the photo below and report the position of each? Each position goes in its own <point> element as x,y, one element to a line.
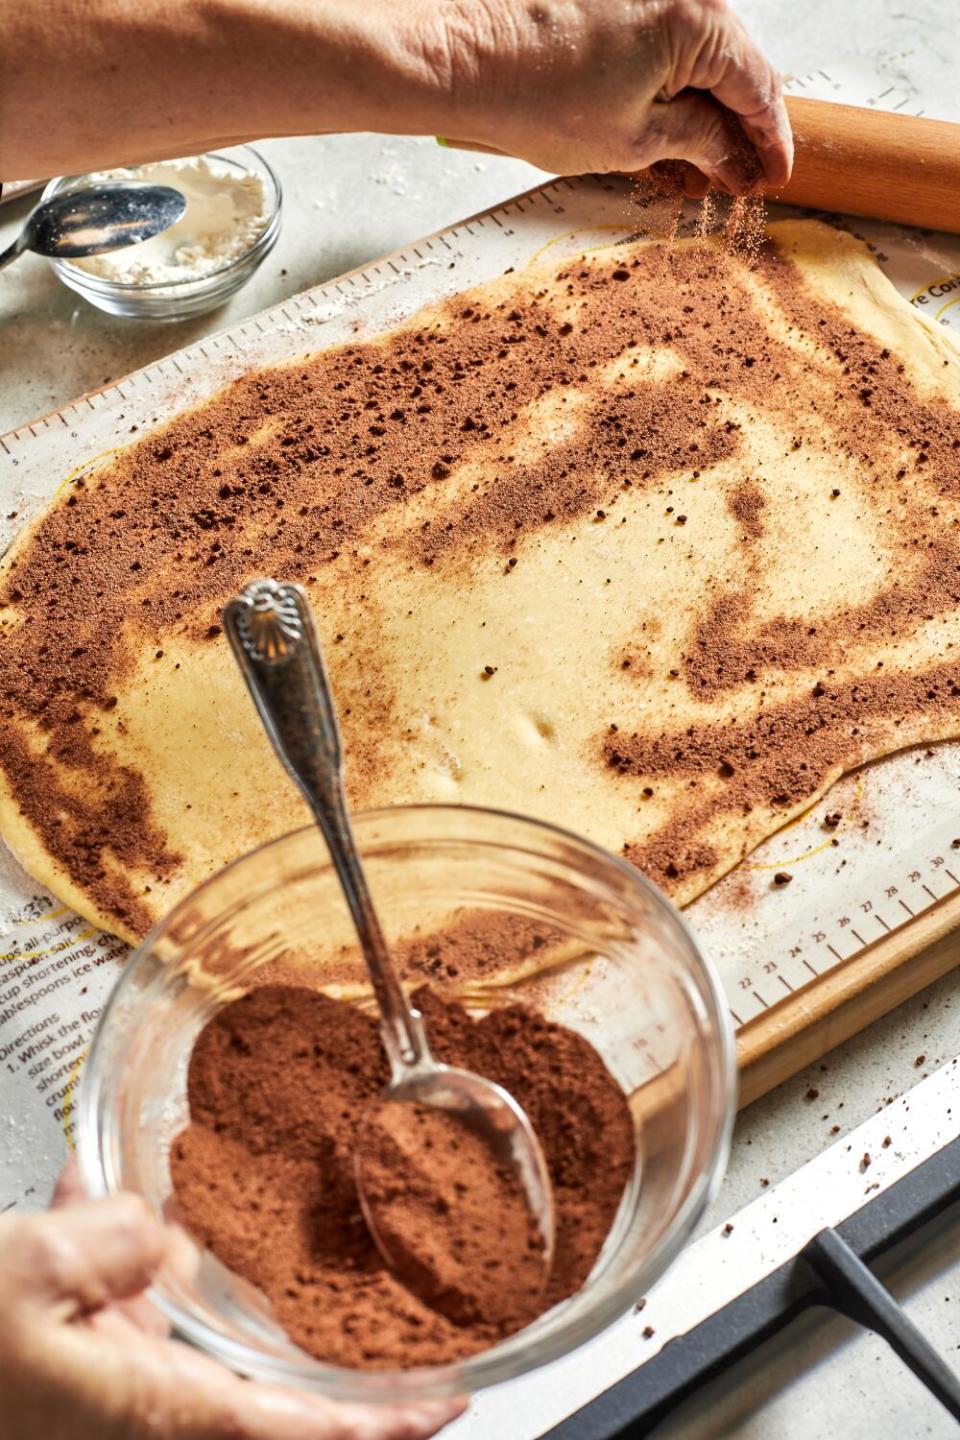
<point>226,212</point>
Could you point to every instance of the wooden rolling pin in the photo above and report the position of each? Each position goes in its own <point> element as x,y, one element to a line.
<point>875,163</point>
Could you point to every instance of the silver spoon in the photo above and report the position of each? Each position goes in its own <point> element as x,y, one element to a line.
<point>100,218</point>
<point>271,630</point>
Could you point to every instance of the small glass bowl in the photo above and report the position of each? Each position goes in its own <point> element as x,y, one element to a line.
<point>620,966</point>
<point>178,299</point>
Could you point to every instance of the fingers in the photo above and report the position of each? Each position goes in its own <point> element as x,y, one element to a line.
<point>77,1258</point>
<point>751,89</point>
<point>739,75</point>
<point>69,1187</point>
<point>165,1388</point>
<point>713,52</point>
<point>693,128</point>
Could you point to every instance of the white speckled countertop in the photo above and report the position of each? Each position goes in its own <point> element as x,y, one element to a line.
<point>350,198</point>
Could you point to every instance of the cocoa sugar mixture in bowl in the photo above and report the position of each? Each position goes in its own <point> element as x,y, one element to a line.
<point>238,1056</point>
<point>263,1175</point>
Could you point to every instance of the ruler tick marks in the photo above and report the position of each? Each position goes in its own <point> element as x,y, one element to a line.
<point>953,877</point>
<point>176,365</point>
<point>444,242</point>
<point>736,1016</point>
<point>905,906</point>
<point>393,267</point>
<point>811,969</point>
<point>785,983</point>
<point>498,223</point>
<point>859,936</point>
<point>760,998</point>
<point>929,892</point>
<point>6,447</point>
<point>834,952</point>
<point>880,920</point>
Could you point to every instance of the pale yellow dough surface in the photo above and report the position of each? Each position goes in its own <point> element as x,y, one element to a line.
<point>598,623</point>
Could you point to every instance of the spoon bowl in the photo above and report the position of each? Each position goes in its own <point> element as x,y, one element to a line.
<point>98,219</point>
<point>508,1144</point>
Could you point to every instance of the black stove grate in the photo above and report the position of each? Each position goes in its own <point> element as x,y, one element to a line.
<point>831,1270</point>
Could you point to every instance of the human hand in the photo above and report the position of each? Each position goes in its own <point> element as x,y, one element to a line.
<point>612,85</point>
<point>84,1356</point>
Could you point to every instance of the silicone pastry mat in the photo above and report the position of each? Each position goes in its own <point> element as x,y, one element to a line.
<point>865,922</point>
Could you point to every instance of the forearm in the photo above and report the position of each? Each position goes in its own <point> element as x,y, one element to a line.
<point>87,83</point>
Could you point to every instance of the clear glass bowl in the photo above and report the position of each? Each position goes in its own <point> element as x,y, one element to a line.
<point>181,298</point>
<point>622,968</point>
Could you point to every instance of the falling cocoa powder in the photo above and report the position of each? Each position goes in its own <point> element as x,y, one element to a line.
<point>264,1173</point>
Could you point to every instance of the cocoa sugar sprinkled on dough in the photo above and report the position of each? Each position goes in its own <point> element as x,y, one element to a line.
<point>776,757</point>
<point>747,503</point>
<point>291,470</point>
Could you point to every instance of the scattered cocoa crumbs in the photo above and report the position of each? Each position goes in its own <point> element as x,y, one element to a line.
<point>887,1142</point>
<point>812,1094</point>
<point>834,1129</point>
<point>782,877</point>
<point>747,503</point>
<point>264,1174</point>
<point>727,1229</point>
<point>955,844</point>
<point>920,1060</point>
<point>764,1182</point>
<point>832,820</point>
<point>865,1162</point>
<point>648,1332</point>
<point>640,1305</point>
